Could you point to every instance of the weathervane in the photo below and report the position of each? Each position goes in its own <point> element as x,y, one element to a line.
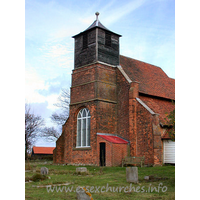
<point>97,14</point>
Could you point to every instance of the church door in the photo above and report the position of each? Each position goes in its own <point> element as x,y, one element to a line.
<point>103,154</point>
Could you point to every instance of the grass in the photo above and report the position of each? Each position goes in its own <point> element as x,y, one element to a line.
<point>98,179</point>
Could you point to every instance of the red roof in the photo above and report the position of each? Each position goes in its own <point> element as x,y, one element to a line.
<point>152,80</point>
<point>43,150</point>
<point>114,139</point>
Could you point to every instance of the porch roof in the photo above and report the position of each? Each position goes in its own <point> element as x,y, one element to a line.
<point>113,139</point>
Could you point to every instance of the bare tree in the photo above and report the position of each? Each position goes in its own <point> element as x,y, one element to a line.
<point>64,99</point>
<point>63,103</point>
<point>58,118</point>
<point>33,125</point>
<point>50,133</point>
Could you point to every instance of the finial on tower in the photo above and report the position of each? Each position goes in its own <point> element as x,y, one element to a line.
<point>97,14</point>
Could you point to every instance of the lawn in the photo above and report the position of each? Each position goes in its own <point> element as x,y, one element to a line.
<point>103,183</point>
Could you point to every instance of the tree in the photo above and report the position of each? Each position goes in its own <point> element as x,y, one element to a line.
<point>50,133</point>
<point>58,118</point>
<point>33,125</point>
<point>63,99</point>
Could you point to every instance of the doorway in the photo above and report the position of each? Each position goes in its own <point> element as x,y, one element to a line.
<point>102,154</point>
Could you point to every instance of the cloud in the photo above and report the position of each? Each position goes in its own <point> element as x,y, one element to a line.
<point>33,82</point>
<point>41,142</point>
<point>39,91</point>
<point>57,55</point>
<point>40,109</point>
<point>55,85</point>
<point>56,51</point>
<point>120,11</point>
<point>53,89</point>
<point>52,99</point>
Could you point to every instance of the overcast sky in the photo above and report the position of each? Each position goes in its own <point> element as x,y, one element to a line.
<point>148,34</point>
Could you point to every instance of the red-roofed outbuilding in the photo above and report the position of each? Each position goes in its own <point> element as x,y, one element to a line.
<point>42,152</point>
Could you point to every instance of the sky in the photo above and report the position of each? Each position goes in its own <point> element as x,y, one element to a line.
<point>148,34</point>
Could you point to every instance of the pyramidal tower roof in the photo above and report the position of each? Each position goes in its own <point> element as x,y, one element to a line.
<point>96,24</point>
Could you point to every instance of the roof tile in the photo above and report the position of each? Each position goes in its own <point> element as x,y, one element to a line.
<point>43,150</point>
<point>153,80</point>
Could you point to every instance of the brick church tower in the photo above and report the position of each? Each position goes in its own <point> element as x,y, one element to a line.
<point>102,126</point>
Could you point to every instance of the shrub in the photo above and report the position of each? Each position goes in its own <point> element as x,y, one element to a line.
<point>38,177</point>
<point>42,157</point>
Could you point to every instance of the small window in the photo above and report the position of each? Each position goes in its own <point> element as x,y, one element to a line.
<point>85,40</point>
<point>83,128</point>
<point>108,39</point>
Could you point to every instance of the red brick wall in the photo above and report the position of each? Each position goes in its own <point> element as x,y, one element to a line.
<point>144,135</point>
<point>106,73</point>
<point>114,152</point>
<point>83,75</point>
<point>92,82</point>
<point>83,93</point>
<point>58,153</point>
<point>80,155</point>
<point>106,91</point>
<point>106,117</point>
<point>122,106</point>
<point>106,83</point>
<point>119,152</point>
<point>102,121</point>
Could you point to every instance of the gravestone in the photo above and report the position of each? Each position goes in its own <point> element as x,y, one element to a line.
<point>44,170</point>
<point>132,174</point>
<point>81,194</point>
<point>81,169</point>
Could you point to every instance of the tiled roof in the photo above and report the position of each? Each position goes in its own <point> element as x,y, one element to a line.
<point>152,80</point>
<point>114,139</point>
<point>43,150</point>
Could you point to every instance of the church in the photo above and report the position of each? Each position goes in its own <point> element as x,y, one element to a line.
<point>118,106</point>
